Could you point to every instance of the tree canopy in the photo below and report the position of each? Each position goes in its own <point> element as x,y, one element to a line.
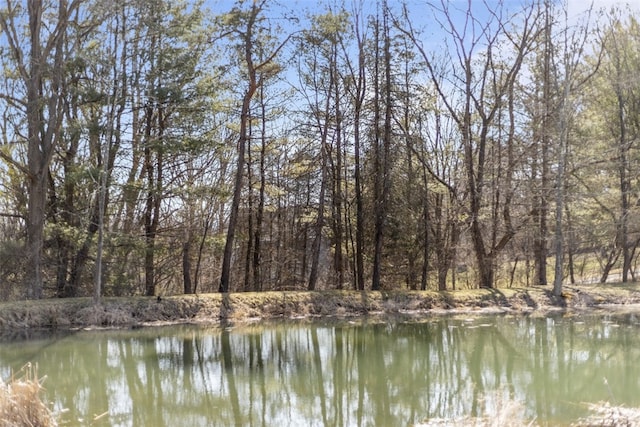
<point>161,147</point>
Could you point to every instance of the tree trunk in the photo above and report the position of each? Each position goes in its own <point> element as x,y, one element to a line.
<point>35,234</point>
<point>35,152</point>
<point>541,208</point>
<point>44,118</point>
<point>358,103</point>
<point>337,190</point>
<point>203,239</point>
<point>225,276</point>
<point>317,240</point>
<point>186,266</point>
<point>560,199</point>
<point>154,196</point>
<point>424,279</point>
<point>257,245</point>
<point>383,153</point>
<point>248,213</point>
<point>625,185</point>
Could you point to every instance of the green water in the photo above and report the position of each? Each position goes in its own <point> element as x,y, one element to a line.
<point>364,373</point>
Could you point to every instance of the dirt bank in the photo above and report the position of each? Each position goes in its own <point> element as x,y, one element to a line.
<point>239,307</point>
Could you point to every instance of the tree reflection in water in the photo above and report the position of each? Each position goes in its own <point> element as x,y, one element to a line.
<point>337,373</point>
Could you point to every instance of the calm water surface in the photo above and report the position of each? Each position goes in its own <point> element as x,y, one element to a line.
<point>364,373</point>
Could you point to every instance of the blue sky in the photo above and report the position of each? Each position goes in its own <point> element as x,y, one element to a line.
<point>418,8</point>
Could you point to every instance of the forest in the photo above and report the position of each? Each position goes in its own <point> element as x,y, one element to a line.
<point>160,147</point>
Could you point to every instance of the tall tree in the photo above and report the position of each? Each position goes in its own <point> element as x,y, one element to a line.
<point>540,166</point>
<point>382,140</point>
<point>95,101</point>
<point>245,24</point>
<point>40,63</point>
<point>322,88</point>
<point>569,77</point>
<point>173,46</point>
<point>357,91</point>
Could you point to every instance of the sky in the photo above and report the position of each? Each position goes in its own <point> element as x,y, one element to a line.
<point>420,13</point>
<point>575,7</point>
<point>578,7</point>
<point>582,5</point>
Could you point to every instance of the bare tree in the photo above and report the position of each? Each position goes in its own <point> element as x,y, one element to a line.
<point>356,74</point>
<point>483,78</point>
<point>569,78</point>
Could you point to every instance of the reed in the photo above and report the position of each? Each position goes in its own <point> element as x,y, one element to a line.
<point>20,401</point>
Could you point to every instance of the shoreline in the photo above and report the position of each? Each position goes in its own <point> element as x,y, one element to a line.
<point>127,312</point>
<point>29,319</point>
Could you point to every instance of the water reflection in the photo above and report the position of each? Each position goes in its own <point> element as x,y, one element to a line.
<point>336,374</point>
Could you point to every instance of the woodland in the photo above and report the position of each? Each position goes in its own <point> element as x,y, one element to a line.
<point>160,147</point>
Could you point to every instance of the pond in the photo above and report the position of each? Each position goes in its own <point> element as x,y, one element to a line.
<point>336,373</point>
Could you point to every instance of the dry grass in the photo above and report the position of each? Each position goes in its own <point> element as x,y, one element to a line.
<point>605,415</point>
<point>243,306</point>
<point>20,402</point>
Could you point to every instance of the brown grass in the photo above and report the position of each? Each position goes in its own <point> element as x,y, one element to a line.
<point>20,402</point>
<point>603,414</point>
<point>247,306</point>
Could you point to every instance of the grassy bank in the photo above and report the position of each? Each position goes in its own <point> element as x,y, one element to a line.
<point>238,307</point>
